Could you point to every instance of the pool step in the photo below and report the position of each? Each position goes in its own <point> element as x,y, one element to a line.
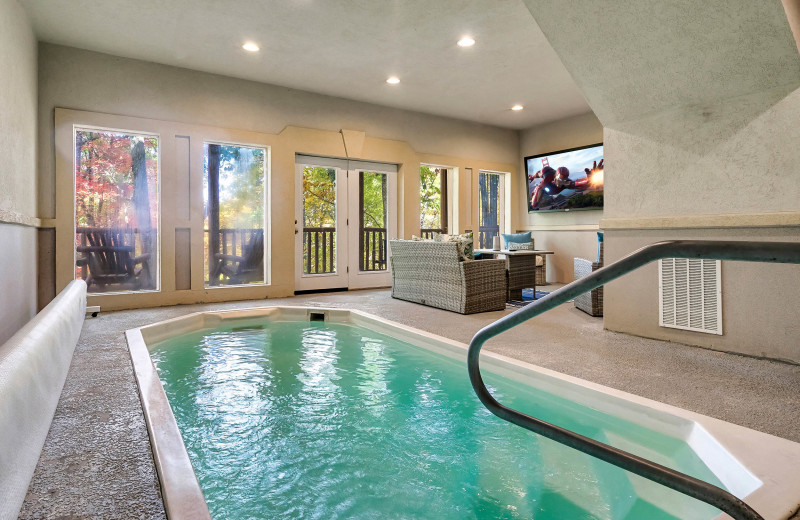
<point>592,491</point>
<point>603,491</point>
<point>651,500</point>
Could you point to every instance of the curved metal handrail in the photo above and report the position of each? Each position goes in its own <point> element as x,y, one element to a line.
<point>773,252</point>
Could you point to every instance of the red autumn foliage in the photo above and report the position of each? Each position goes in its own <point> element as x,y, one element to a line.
<point>104,179</point>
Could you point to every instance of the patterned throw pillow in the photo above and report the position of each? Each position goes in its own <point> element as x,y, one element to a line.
<point>520,246</point>
<point>469,246</point>
<point>465,245</point>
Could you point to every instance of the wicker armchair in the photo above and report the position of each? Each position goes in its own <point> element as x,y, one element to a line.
<point>592,301</point>
<point>430,273</point>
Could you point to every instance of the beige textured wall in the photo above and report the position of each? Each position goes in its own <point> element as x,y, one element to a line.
<point>183,102</point>
<point>17,169</point>
<point>569,234</point>
<point>18,109</point>
<point>83,80</point>
<point>631,60</point>
<point>701,141</point>
<point>759,301</point>
<point>737,155</point>
<point>734,161</point>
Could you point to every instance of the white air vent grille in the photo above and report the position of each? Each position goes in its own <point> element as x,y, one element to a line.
<point>689,294</point>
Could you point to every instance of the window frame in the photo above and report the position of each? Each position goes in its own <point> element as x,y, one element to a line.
<point>505,181</point>
<point>445,179</point>
<point>159,189</point>
<point>267,211</point>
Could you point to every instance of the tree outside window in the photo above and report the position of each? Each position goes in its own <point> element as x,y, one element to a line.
<point>433,199</point>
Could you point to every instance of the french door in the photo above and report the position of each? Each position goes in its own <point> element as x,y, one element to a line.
<point>344,218</point>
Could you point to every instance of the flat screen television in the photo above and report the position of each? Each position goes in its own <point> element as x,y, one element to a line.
<point>565,180</point>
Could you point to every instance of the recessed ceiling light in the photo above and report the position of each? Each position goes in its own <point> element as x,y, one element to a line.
<point>393,80</point>
<point>466,41</point>
<point>251,47</point>
<point>517,108</point>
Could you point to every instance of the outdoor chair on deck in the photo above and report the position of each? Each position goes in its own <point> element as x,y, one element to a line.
<point>111,261</point>
<point>245,268</point>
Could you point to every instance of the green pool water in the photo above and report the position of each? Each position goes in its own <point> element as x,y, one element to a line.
<point>323,421</point>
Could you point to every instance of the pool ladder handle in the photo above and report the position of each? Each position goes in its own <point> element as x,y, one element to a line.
<point>770,252</point>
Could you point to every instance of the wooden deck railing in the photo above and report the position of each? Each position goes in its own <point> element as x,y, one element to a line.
<point>430,232</point>
<point>232,241</point>
<point>319,246</point>
<point>372,249</point>
<point>486,234</point>
<point>319,250</point>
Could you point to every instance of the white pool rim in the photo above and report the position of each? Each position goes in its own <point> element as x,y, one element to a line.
<point>759,468</point>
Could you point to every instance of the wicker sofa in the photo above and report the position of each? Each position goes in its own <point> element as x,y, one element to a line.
<point>430,273</point>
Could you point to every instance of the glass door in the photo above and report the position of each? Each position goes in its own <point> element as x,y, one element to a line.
<point>345,218</point>
<point>369,246</point>
<point>320,228</point>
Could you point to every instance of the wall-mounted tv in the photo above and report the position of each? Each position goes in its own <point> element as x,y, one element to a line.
<point>566,180</point>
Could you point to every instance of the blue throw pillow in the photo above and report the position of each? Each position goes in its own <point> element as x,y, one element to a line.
<point>519,238</point>
<point>599,246</point>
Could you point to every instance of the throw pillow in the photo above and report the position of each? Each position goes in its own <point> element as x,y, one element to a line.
<point>516,238</point>
<point>520,246</point>
<point>599,247</point>
<point>464,244</point>
<point>469,246</point>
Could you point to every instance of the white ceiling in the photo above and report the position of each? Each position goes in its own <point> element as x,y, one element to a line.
<point>343,48</point>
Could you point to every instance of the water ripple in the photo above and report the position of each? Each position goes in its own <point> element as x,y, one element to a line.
<point>304,420</point>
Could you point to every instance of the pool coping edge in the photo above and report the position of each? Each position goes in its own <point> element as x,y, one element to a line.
<point>180,491</point>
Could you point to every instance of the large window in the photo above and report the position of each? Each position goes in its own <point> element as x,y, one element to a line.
<point>433,200</point>
<point>116,210</point>
<point>235,209</point>
<point>491,207</point>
